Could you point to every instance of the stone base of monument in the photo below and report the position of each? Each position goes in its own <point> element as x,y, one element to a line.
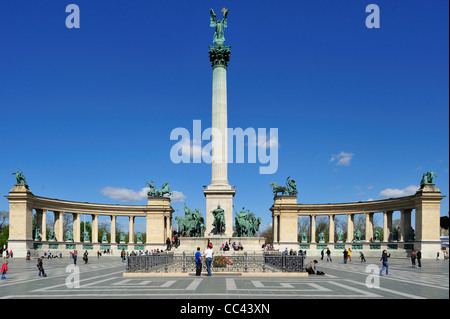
<point>190,244</point>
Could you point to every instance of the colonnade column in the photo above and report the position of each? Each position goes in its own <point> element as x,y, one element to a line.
<point>387,225</point>
<point>275,227</point>
<point>405,224</point>
<point>94,228</point>
<point>369,226</point>
<point>41,220</point>
<point>113,229</point>
<point>313,228</point>
<point>58,226</point>
<point>331,228</point>
<point>131,230</point>
<point>350,219</point>
<point>76,227</point>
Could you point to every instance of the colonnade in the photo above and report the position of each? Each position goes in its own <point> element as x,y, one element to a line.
<point>22,203</point>
<point>403,236</point>
<point>41,219</point>
<point>425,203</point>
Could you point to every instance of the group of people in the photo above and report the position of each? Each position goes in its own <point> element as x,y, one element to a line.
<point>226,246</point>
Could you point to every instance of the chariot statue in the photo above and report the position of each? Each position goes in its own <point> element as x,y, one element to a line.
<point>289,189</point>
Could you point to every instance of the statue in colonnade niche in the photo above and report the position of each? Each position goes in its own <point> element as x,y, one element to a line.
<point>139,238</point>
<point>69,235</point>
<point>104,238</point>
<point>304,237</point>
<point>122,238</point>
<point>51,235</point>
<point>358,235</point>
<point>321,237</point>
<point>340,236</point>
<point>376,236</point>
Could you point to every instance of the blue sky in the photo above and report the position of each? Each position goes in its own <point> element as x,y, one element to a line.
<point>361,113</point>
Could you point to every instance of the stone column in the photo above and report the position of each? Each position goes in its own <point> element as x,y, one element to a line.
<point>405,224</point>
<point>331,228</point>
<point>94,228</point>
<point>76,227</point>
<point>313,228</point>
<point>350,219</point>
<point>219,191</point>
<point>275,218</point>
<point>58,225</point>
<point>369,226</point>
<point>113,229</point>
<point>41,221</point>
<point>131,230</point>
<point>387,225</point>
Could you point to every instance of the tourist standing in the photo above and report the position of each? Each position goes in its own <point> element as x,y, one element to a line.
<point>329,255</point>
<point>349,254</point>
<point>321,254</point>
<point>413,259</point>
<point>74,256</point>
<point>208,259</point>
<point>419,257</point>
<point>122,255</point>
<point>345,255</point>
<point>384,260</point>
<point>198,262</point>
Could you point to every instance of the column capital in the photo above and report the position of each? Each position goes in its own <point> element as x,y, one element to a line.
<point>219,55</point>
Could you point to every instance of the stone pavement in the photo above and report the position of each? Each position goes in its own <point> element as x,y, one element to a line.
<point>103,279</point>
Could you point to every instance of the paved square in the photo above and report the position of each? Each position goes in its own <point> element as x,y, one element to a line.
<point>103,279</point>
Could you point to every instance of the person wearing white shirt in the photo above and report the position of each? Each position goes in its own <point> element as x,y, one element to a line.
<point>208,259</point>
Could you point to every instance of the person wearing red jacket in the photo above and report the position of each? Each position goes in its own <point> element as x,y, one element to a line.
<point>4,269</point>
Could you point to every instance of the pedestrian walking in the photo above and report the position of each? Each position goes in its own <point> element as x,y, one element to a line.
<point>208,259</point>
<point>85,257</point>
<point>198,262</point>
<point>4,269</point>
<point>321,254</point>
<point>40,266</point>
<point>74,256</point>
<point>361,255</point>
<point>413,259</point>
<point>329,255</point>
<point>122,255</point>
<point>384,260</point>
<point>345,256</point>
<point>349,254</point>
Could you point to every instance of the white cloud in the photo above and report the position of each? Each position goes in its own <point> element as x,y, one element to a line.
<point>396,192</point>
<point>342,159</point>
<point>129,195</point>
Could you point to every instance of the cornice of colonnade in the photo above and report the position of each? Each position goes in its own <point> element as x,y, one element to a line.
<point>288,204</point>
<point>160,205</point>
